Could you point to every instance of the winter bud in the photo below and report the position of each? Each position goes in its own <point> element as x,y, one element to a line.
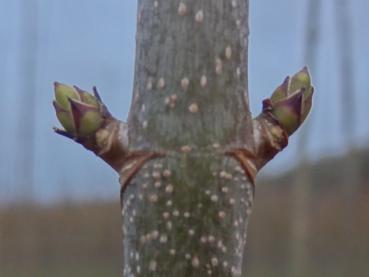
<point>79,112</point>
<point>291,102</point>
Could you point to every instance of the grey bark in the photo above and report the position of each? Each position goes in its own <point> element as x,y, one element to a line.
<point>186,213</point>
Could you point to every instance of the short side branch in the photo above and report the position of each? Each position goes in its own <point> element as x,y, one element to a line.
<point>283,113</point>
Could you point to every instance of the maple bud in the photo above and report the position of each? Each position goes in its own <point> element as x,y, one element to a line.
<point>291,102</point>
<point>79,112</point>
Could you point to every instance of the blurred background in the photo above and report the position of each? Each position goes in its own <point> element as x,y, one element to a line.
<point>59,205</point>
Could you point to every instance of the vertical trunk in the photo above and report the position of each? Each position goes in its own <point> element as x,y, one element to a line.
<point>191,75</point>
<point>190,104</point>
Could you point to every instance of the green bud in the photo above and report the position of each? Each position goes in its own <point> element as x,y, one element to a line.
<point>288,112</point>
<point>87,118</point>
<point>90,122</point>
<point>291,102</point>
<point>63,93</point>
<point>79,112</point>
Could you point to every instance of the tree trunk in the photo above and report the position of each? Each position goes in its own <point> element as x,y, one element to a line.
<point>188,157</point>
<point>190,102</point>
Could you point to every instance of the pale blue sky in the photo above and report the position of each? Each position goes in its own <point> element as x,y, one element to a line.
<point>91,42</point>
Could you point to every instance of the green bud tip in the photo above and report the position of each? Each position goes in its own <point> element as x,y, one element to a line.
<point>79,112</point>
<point>301,79</point>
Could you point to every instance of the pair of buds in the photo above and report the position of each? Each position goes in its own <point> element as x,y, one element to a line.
<point>79,112</point>
<point>291,102</point>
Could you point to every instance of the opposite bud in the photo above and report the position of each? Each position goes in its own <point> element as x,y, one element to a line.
<point>79,112</point>
<point>291,102</point>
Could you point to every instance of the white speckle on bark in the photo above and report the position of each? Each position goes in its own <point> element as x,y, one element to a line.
<point>156,4</point>
<point>182,9</point>
<point>248,211</point>
<point>156,175</point>
<point>167,173</point>
<point>161,83</point>
<point>153,198</point>
<point>166,215</point>
<point>185,82</point>
<point>216,145</point>
<point>195,262</point>
<point>154,234</point>
<point>218,66</point>
<point>186,149</point>
<point>221,214</point>
<point>149,84</point>
<point>199,17</point>
<point>169,188</point>
<point>238,71</point>
<point>193,108</point>
<point>203,239</point>
<point>214,198</point>
<point>214,261</point>
<point>152,265</point>
<point>211,238</point>
<point>173,97</point>
<point>163,238</point>
<point>228,52</point>
<point>203,81</point>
